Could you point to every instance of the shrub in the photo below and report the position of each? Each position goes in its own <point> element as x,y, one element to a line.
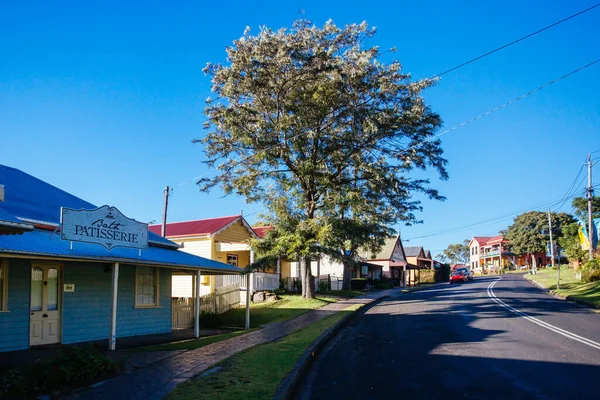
<point>323,286</point>
<point>283,283</point>
<point>74,367</point>
<point>377,284</point>
<point>358,283</point>
<point>591,271</point>
<point>279,291</point>
<point>209,319</point>
<point>428,276</point>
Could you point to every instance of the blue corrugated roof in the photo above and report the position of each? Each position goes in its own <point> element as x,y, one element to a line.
<point>5,216</point>
<point>28,197</point>
<point>47,243</point>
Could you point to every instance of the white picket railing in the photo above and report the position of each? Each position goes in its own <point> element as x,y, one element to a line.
<point>261,281</point>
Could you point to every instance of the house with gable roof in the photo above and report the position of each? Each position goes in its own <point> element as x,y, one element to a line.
<point>490,254</point>
<point>417,255</point>
<point>395,263</point>
<point>57,291</point>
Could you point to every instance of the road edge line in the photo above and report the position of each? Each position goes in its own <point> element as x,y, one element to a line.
<point>539,322</point>
<point>287,387</point>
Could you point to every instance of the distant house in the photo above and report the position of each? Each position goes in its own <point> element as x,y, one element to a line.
<point>394,262</point>
<point>416,255</point>
<point>490,253</point>
<point>56,291</point>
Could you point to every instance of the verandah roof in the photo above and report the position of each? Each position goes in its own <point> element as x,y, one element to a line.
<point>45,243</point>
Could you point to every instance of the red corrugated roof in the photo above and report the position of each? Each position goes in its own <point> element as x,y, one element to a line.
<point>488,239</point>
<point>197,227</point>
<point>261,231</point>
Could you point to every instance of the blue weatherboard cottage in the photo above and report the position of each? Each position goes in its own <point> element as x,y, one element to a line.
<point>54,290</point>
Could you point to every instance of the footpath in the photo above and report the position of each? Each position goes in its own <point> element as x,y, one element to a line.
<point>156,380</point>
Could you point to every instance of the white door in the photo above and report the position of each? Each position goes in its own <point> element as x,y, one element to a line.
<point>44,326</point>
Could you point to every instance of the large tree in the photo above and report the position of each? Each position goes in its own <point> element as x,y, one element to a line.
<point>530,232</point>
<point>457,253</point>
<point>320,129</point>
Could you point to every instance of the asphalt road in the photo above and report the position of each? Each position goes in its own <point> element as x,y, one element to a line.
<point>487,339</point>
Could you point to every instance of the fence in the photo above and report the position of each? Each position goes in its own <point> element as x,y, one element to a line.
<point>222,300</point>
<point>261,281</point>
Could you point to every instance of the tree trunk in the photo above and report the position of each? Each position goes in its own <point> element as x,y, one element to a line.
<point>308,282</point>
<point>347,276</point>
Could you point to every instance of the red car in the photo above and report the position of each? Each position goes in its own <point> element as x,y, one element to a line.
<point>458,276</point>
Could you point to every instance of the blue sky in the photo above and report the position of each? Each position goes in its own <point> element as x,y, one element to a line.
<point>103,99</point>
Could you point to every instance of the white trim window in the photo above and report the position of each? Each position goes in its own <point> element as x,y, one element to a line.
<point>146,286</point>
<point>232,259</point>
<point>3,285</point>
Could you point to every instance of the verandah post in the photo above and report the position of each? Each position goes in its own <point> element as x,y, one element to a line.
<point>197,305</point>
<point>112,341</point>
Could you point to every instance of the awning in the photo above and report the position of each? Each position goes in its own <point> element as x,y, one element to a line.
<point>48,244</point>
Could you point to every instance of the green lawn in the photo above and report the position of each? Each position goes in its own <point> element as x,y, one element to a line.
<point>254,373</point>
<point>342,293</point>
<point>588,293</point>
<point>193,343</point>
<point>288,307</point>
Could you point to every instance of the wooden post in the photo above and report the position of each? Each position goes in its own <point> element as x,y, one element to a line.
<point>112,344</point>
<point>163,230</point>
<point>247,301</point>
<point>197,305</point>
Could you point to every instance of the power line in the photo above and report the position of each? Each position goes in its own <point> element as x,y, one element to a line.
<point>490,220</point>
<point>572,187</point>
<point>518,40</point>
<point>515,99</point>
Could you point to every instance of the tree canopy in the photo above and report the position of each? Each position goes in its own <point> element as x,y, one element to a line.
<point>457,253</point>
<point>530,232</point>
<point>580,207</point>
<point>315,125</point>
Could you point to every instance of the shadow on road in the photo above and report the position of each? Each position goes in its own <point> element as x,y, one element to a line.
<point>429,344</point>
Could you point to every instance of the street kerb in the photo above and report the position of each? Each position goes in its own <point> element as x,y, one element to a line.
<point>288,385</point>
<point>559,296</point>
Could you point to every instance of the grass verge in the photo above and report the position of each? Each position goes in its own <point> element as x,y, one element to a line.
<point>255,373</point>
<point>288,307</point>
<point>193,343</point>
<point>343,293</point>
<point>572,289</point>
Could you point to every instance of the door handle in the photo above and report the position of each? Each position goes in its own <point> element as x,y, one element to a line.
<point>45,315</point>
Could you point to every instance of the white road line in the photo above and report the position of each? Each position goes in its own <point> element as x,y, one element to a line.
<point>541,323</point>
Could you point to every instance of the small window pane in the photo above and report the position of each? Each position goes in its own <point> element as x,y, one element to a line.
<point>37,276</point>
<point>146,286</point>
<point>52,289</point>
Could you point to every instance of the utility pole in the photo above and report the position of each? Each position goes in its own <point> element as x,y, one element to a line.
<point>163,230</point>
<point>590,195</point>
<point>552,250</point>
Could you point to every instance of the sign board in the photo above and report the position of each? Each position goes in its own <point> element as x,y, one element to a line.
<point>69,287</point>
<point>105,226</point>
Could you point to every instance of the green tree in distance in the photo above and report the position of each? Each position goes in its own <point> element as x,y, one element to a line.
<point>580,205</point>
<point>570,243</point>
<point>317,127</point>
<point>457,253</point>
<point>530,232</point>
